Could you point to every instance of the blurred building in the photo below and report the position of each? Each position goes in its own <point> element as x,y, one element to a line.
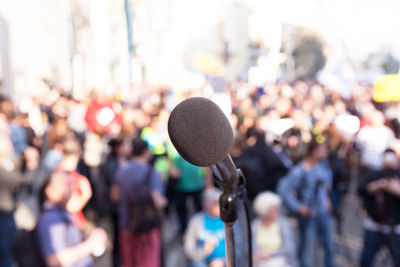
<point>34,40</point>
<point>76,44</point>
<point>112,44</point>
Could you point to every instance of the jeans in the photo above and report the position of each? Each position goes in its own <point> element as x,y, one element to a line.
<point>374,241</point>
<point>319,225</point>
<point>7,232</point>
<point>198,263</point>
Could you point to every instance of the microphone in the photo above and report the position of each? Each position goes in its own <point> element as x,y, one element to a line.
<point>203,136</point>
<point>200,131</point>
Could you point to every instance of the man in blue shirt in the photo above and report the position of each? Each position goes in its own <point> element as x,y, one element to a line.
<point>60,240</point>
<point>204,241</point>
<point>305,191</point>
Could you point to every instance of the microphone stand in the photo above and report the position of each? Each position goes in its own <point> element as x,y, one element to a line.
<point>233,185</point>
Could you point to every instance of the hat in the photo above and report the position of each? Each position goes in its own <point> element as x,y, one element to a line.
<point>210,196</point>
<point>264,201</point>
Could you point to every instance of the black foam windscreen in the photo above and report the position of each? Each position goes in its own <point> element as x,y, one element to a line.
<point>200,131</point>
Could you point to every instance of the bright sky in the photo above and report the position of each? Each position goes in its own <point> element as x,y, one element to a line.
<point>364,26</point>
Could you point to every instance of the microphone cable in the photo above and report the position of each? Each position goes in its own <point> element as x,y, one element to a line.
<point>244,199</point>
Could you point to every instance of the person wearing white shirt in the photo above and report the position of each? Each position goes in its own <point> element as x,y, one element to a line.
<point>373,140</point>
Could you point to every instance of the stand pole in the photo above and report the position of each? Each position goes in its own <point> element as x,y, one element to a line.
<point>233,184</point>
<point>230,245</point>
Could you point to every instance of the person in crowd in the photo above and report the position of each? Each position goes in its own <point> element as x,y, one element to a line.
<point>305,191</point>
<point>89,165</point>
<point>337,158</point>
<point>277,147</point>
<point>10,180</point>
<point>76,117</point>
<point>103,114</point>
<point>266,168</point>
<point>273,237</point>
<point>17,132</point>
<point>59,131</point>
<point>189,185</point>
<point>380,193</point>
<point>294,140</point>
<point>154,136</point>
<point>140,244</point>
<point>54,155</point>
<point>121,149</point>
<point>33,138</point>
<point>80,186</point>
<point>60,240</point>
<point>371,150</point>
<point>250,165</point>
<point>204,240</point>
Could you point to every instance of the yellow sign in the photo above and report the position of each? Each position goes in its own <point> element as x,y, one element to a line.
<point>208,64</point>
<point>387,88</point>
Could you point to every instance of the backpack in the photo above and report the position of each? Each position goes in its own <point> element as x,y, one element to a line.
<point>143,214</point>
<point>26,249</point>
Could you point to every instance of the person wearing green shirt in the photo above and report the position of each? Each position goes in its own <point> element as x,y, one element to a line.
<point>190,185</point>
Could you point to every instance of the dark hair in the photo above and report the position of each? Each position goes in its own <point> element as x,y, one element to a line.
<point>254,132</point>
<point>7,108</point>
<point>115,143</point>
<point>139,147</point>
<point>315,142</point>
<point>389,150</point>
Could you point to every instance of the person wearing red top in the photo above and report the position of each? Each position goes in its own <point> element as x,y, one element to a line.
<point>80,186</point>
<point>102,115</point>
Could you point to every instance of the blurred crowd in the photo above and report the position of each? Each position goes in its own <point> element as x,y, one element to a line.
<point>67,166</point>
